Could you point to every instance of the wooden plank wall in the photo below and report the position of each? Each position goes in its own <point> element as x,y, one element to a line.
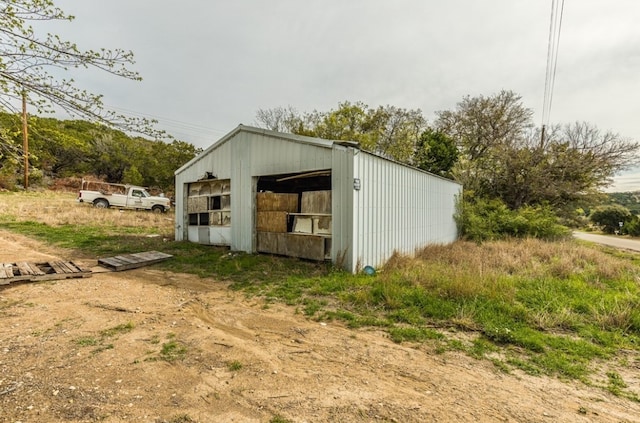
<point>269,201</point>
<point>316,202</point>
<point>271,221</point>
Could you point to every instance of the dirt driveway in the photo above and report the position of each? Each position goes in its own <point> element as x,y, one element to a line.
<point>153,346</point>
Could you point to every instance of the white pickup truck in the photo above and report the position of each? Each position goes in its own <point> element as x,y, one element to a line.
<point>103,195</point>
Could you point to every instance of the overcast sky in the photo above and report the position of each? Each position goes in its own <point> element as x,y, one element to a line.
<point>209,65</point>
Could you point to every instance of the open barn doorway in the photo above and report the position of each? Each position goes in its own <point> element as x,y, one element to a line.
<point>293,215</point>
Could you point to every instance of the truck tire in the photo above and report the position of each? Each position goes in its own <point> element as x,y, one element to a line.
<point>101,203</point>
<point>157,209</point>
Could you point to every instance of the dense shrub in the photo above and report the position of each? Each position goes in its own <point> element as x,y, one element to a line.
<point>608,218</point>
<point>490,219</point>
<point>631,227</point>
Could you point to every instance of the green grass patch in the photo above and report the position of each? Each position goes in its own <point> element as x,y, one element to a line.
<point>100,341</point>
<point>545,308</point>
<point>173,351</point>
<point>87,341</point>
<point>312,306</point>
<point>234,365</point>
<point>481,347</point>
<point>615,383</point>
<point>525,365</point>
<point>117,330</point>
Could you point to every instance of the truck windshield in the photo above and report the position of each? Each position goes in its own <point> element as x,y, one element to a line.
<point>139,193</point>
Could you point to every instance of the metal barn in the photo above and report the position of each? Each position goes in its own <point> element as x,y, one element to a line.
<point>256,190</point>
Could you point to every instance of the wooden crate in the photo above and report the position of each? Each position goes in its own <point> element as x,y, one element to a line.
<point>272,243</point>
<point>268,201</point>
<point>312,224</point>
<point>226,218</point>
<point>316,202</point>
<point>303,224</point>
<point>310,247</point>
<point>216,187</point>
<point>205,188</point>
<point>271,221</point>
<point>215,218</point>
<point>194,188</point>
<point>322,225</point>
<point>225,202</point>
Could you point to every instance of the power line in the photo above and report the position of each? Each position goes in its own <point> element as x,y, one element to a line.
<point>173,123</point>
<point>555,27</point>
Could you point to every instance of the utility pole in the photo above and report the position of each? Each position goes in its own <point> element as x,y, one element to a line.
<point>25,140</point>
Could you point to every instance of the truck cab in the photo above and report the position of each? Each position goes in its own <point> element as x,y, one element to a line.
<point>104,195</point>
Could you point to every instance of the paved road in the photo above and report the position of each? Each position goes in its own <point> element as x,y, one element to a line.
<point>613,241</point>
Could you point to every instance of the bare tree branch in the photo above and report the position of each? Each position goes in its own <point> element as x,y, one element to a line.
<point>26,58</point>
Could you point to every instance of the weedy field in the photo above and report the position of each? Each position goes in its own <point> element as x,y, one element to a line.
<point>527,308</point>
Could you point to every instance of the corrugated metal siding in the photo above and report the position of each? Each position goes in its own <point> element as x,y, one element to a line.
<point>341,207</point>
<point>274,156</point>
<point>217,161</point>
<point>399,209</point>
<point>242,198</point>
<point>181,226</point>
<point>242,156</point>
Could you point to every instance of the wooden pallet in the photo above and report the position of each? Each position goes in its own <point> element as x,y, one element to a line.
<point>32,272</point>
<point>132,261</point>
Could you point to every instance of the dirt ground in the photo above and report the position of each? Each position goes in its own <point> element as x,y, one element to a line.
<point>95,349</point>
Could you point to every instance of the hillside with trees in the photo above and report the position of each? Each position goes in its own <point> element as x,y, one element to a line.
<point>96,143</point>
<point>629,200</point>
<point>76,148</point>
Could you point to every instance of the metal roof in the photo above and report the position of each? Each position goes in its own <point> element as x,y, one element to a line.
<point>319,142</point>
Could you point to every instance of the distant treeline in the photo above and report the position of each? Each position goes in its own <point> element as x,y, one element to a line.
<point>76,148</point>
<point>629,200</point>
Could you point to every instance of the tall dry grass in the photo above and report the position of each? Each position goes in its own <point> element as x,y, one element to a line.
<point>466,269</point>
<point>61,208</point>
<point>530,258</point>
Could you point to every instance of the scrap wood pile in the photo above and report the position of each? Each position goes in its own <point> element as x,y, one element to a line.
<point>24,271</point>
<point>32,272</point>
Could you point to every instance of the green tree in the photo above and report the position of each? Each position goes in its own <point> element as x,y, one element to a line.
<point>60,148</point>
<point>436,153</point>
<point>132,176</point>
<point>112,153</point>
<point>503,156</point>
<point>27,59</point>
<point>484,128</point>
<point>630,200</point>
<point>387,130</point>
<point>610,217</point>
<point>57,148</point>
